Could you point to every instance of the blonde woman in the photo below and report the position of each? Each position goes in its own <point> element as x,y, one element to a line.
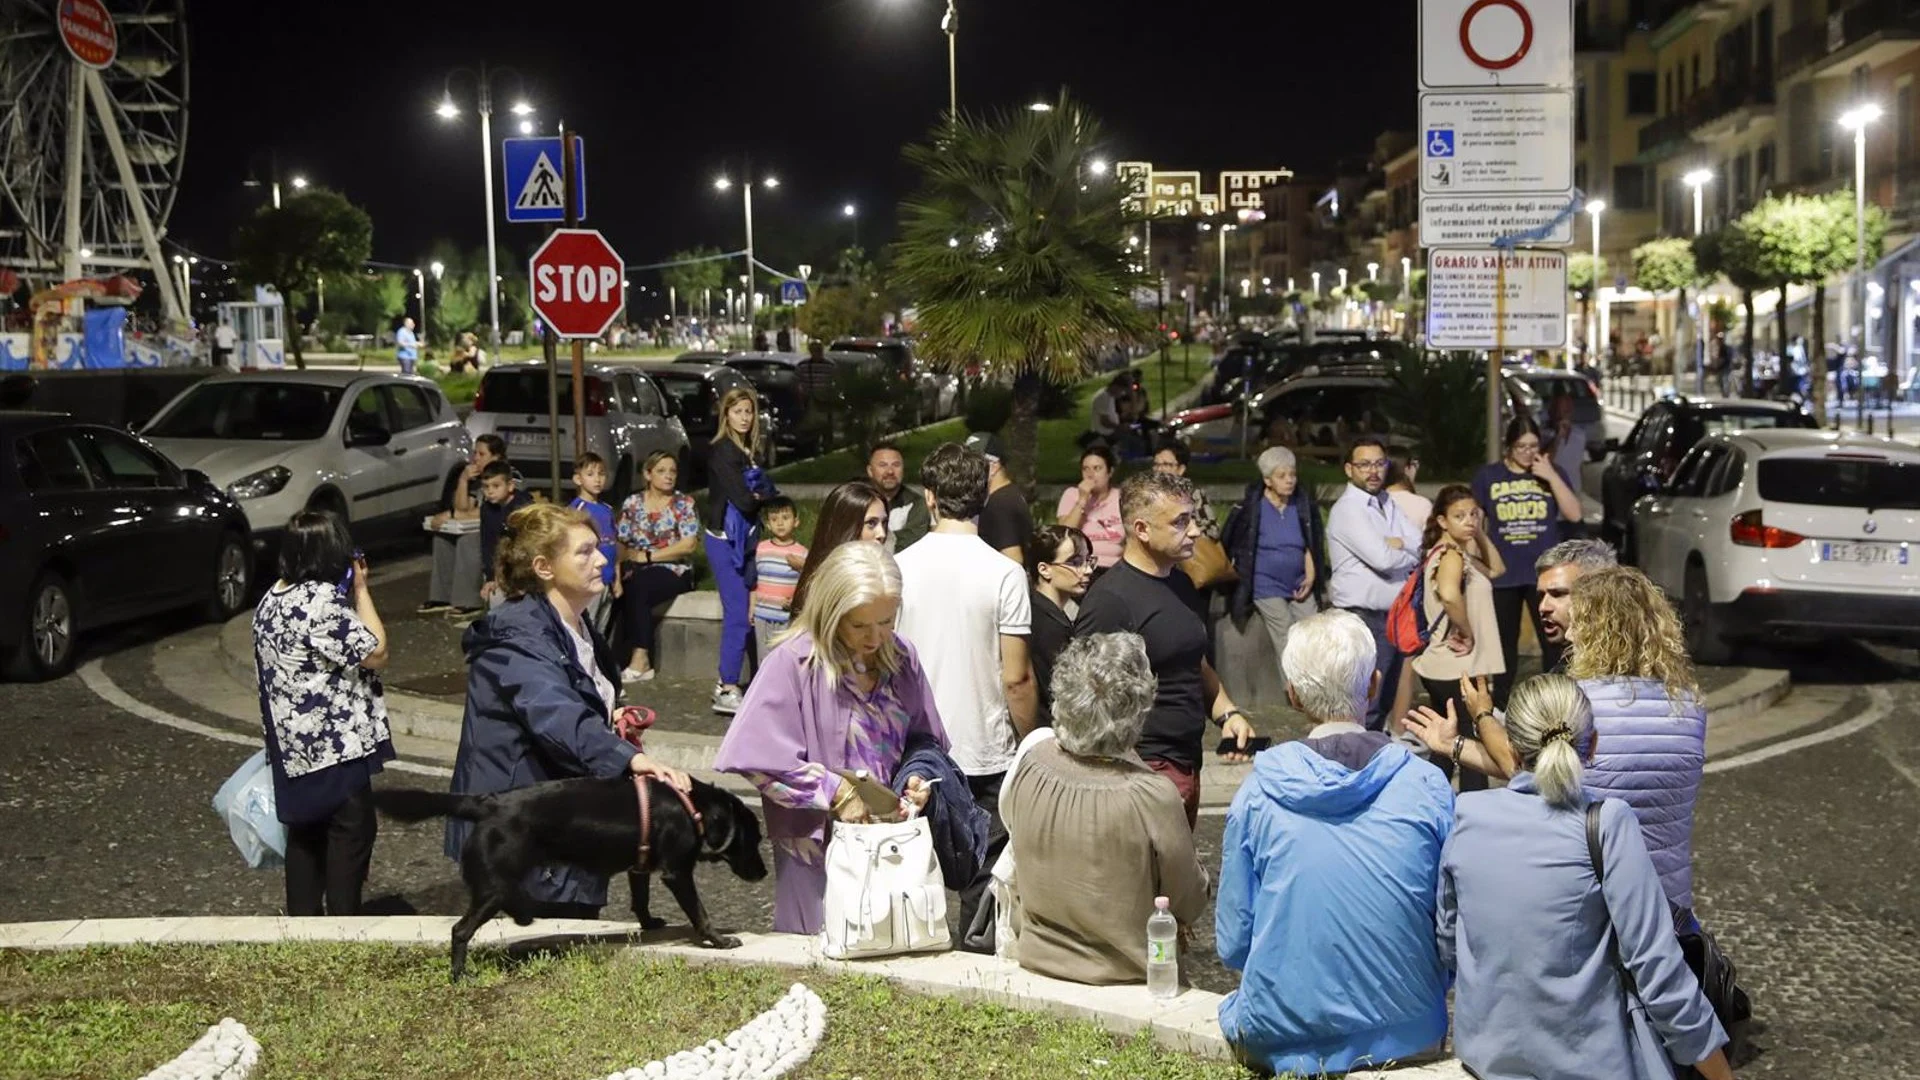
<point>1536,939</point>
<point>1629,653</point>
<point>841,690</point>
<point>735,487</point>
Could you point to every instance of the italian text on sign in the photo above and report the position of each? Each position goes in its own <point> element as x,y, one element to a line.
<point>1486,43</point>
<point>1479,220</point>
<point>1497,143</point>
<point>1465,310</point>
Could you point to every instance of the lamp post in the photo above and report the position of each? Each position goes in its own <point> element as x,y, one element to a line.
<point>420,282</point>
<point>1595,335</point>
<point>746,205</point>
<point>447,110</point>
<point>1697,180</point>
<point>852,213</point>
<point>1224,230</point>
<point>1856,120</point>
<point>186,263</point>
<point>950,23</point>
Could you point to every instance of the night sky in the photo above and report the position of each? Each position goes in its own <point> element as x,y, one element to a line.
<point>821,93</point>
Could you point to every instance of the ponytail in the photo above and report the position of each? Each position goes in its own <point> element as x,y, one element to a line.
<point>1550,723</point>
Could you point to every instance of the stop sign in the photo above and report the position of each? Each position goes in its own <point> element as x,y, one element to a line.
<point>579,283</point>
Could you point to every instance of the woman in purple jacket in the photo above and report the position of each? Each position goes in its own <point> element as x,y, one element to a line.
<point>840,691</point>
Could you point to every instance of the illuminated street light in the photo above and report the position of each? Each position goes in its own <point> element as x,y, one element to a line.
<point>723,183</point>
<point>483,100</point>
<point>1595,207</point>
<point>439,269</point>
<point>1098,166</point>
<point>299,183</point>
<point>522,108</point>
<point>1373,271</point>
<point>1856,120</point>
<point>447,110</point>
<point>1040,106</point>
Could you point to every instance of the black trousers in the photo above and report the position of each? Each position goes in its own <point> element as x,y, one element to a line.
<point>1508,607</point>
<point>327,860</point>
<point>1443,691</point>
<point>986,795</point>
<point>644,587</point>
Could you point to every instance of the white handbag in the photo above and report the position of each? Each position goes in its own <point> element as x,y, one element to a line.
<point>885,895</point>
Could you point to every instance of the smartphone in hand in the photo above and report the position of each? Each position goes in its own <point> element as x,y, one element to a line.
<point>1254,746</point>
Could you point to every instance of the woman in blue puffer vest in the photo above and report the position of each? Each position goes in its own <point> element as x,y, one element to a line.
<point>1629,655</point>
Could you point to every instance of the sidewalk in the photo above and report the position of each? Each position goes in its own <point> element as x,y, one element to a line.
<point>1625,397</point>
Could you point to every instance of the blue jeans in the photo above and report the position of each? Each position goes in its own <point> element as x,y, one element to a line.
<point>736,607</point>
<point>1386,661</point>
<point>406,364</point>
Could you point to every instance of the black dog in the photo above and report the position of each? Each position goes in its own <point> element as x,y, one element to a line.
<point>594,825</point>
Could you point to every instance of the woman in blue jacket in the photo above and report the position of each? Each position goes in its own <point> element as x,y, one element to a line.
<point>1278,548</point>
<point>735,488</point>
<point>1538,942</point>
<point>541,690</point>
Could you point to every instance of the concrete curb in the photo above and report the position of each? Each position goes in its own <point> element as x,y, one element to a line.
<point>1188,1024</point>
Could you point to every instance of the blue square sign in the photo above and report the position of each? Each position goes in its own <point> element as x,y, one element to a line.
<point>793,292</point>
<point>1439,142</point>
<point>533,183</point>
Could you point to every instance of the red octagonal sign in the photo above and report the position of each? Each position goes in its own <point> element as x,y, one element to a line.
<point>578,283</point>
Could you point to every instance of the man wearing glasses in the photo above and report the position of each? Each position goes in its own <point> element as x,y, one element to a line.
<point>1371,547</point>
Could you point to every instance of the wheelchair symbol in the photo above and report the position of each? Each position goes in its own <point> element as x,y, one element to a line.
<point>1440,142</point>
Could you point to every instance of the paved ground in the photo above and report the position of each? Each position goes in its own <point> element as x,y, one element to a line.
<point>1807,863</point>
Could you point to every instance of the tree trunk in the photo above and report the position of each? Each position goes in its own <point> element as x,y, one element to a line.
<point>1817,355</point>
<point>1682,358</point>
<point>1586,322</point>
<point>1746,300</point>
<point>1780,329</point>
<point>1023,428</point>
<point>292,327</point>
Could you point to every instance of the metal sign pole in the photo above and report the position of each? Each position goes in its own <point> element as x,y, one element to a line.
<point>568,144</point>
<point>550,350</point>
<point>1495,358</point>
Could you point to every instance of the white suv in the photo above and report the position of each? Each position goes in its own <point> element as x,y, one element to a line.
<point>1787,533</point>
<point>382,451</point>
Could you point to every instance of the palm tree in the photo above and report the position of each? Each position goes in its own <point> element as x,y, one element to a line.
<point>1014,252</point>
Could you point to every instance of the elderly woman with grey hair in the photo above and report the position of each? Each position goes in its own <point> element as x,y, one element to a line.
<point>1278,548</point>
<point>1097,835</point>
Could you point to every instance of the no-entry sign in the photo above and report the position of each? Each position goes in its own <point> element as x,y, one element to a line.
<point>579,283</point>
<point>1475,44</point>
<point>86,28</point>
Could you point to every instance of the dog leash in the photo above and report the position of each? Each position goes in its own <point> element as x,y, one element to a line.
<point>646,819</point>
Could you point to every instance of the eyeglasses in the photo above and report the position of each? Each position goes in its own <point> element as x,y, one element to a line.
<point>1377,465</point>
<point>1078,566</point>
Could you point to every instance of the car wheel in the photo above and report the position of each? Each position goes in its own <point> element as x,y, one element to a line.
<point>1700,623</point>
<point>232,580</point>
<point>47,642</point>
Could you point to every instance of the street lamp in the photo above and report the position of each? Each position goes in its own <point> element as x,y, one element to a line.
<point>1098,166</point>
<point>1856,120</point>
<point>746,204</point>
<point>1406,275</point>
<point>420,281</point>
<point>1697,180</point>
<point>1224,230</point>
<point>1595,207</point>
<point>299,183</point>
<point>1316,283</point>
<point>852,213</point>
<point>1373,271</point>
<point>1040,106</point>
<point>447,110</point>
<point>1343,278</point>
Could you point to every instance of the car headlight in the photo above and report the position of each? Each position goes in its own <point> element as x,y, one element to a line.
<point>261,484</point>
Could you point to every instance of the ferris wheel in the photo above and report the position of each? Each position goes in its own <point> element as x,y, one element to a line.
<point>93,133</point>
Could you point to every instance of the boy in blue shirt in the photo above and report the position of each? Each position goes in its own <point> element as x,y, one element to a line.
<point>590,480</point>
<point>500,496</point>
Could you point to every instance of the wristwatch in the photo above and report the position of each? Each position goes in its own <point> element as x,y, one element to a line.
<point>1221,720</point>
<point>1459,744</point>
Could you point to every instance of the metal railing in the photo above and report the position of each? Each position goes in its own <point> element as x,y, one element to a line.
<point>1809,42</point>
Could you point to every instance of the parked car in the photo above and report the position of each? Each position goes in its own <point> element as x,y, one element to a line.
<point>939,392</point>
<point>99,527</point>
<point>1648,456</point>
<point>627,418</point>
<point>382,451</point>
<point>1787,533</point>
<point>773,375</point>
<point>694,391</point>
<point>1550,383</point>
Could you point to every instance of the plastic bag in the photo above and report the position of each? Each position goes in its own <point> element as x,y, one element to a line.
<point>245,803</point>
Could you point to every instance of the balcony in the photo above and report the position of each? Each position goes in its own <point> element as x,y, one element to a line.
<point>1675,17</point>
<point>1599,36</point>
<point>1728,108</point>
<point>1665,137</point>
<point>1870,33</point>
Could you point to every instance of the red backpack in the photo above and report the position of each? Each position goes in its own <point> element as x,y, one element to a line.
<point>1407,628</point>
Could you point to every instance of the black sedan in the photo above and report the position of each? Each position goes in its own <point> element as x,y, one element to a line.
<point>98,527</point>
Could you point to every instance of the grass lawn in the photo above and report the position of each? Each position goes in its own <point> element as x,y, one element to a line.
<point>375,1011</point>
<point>1057,459</point>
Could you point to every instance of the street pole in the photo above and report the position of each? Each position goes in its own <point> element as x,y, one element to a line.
<point>951,24</point>
<point>1699,335</point>
<point>568,143</point>
<point>746,195</point>
<point>420,279</point>
<point>1860,239</point>
<point>486,173</point>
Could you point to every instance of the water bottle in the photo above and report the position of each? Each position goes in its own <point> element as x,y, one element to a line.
<point>1163,952</point>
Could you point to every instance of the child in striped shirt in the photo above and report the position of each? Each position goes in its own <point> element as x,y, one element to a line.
<point>777,563</point>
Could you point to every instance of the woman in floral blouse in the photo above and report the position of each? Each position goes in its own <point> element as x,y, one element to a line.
<point>842,691</point>
<point>317,643</point>
<point>658,530</point>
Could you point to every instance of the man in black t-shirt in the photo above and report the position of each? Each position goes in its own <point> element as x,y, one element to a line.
<point>1141,594</point>
<point>1006,523</point>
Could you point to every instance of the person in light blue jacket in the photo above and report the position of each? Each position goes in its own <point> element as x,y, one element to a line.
<point>1538,943</point>
<point>1328,876</point>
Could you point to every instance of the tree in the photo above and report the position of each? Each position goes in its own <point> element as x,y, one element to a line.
<point>1804,240</point>
<point>698,272</point>
<point>316,232</point>
<point>1584,276</point>
<point>1729,252</point>
<point>1666,265</point>
<point>835,311</point>
<point>1015,254</point>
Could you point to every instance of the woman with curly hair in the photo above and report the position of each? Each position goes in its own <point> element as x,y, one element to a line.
<point>1629,654</point>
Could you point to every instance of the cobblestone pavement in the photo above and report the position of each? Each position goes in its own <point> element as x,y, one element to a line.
<point>1806,863</point>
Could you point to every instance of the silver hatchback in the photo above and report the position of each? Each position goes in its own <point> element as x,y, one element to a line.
<point>627,418</point>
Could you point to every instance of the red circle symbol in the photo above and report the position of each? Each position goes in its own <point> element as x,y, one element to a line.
<point>579,283</point>
<point>1496,63</point>
<point>87,30</point>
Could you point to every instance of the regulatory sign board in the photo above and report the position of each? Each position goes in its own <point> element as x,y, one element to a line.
<point>1496,142</point>
<point>1479,220</point>
<point>87,30</point>
<point>1467,310</point>
<point>534,188</point>
<point>793,292</point>
<point>579,283</point>
<point>1479,44</point>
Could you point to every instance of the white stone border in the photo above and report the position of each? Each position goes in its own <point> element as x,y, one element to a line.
<point>228,1051</point>
<point>768,1046</point>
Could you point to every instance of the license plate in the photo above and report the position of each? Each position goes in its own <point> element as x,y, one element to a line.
<point>540,439</point>
<point>1876,554</point>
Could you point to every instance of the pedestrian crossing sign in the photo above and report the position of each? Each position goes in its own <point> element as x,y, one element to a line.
<point>534,189</point>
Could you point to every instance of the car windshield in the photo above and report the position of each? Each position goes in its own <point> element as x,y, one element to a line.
<point>263,410</point>
<point>523,391</point>
<point>1870,483</point>
<point>1724,421</point>
<point>688,391</point>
